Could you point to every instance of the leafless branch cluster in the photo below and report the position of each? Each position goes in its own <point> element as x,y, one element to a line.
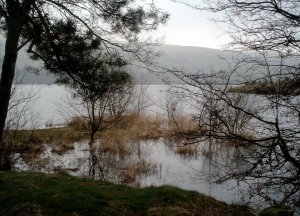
<point>253,104</point>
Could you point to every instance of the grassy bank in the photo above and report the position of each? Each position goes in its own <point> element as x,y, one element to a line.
<point>60,194</point>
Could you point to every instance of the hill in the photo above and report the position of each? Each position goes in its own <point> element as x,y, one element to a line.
<point>191,59</point>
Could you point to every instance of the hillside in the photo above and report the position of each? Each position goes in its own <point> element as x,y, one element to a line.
<point>191,59</point>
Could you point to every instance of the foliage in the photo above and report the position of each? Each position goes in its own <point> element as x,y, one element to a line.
<point>80,61</point>
<point>100,85</point>
<point>37,25</point>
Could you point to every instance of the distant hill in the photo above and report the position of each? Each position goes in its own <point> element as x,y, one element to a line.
<point>27,70</point>
<point>191,59</point>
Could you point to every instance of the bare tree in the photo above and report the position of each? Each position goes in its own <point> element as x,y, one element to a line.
<point>98,112</point>
<point>120,100</point>
<point>106,97</point>
<point>173,109</point>
<point>142,101</point>
<point>264,126</point>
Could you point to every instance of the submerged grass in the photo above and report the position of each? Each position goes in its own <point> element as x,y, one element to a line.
<point>130,127</point>
<point>61,194</point>
<point>187,150</point>
<point>134,126</point>
<point>130,171</point>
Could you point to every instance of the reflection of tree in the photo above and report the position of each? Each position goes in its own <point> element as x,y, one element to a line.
<point>95,165</point>
<point>111,163</point>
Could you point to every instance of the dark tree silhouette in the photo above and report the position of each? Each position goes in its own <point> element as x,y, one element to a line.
<point>95,76</point>
<point>116,25</point>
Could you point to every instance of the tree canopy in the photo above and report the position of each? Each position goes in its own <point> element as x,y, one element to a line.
<point>113,25</point>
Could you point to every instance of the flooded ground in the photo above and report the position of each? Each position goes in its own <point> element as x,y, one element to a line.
<point>145,162</point>
<point>137,163</point>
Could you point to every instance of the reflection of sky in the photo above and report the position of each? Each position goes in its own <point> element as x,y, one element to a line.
<point>169,167</point>
<point>187,173</point>
<point>190,27</point>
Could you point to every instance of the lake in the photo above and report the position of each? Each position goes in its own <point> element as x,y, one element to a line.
<point>49,104</point>
<point>142,163</point>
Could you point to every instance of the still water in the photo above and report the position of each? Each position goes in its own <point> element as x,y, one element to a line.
<point>49,105</point>
<point>139,163</point>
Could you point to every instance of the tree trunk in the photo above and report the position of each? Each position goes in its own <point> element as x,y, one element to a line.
<point>15,19</point>
<point>8,72</point>
<point>7,76</point>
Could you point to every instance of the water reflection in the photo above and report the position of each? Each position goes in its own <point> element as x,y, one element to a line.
<point>142,163</point>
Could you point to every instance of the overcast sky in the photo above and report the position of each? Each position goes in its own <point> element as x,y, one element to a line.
<point>190,27</point>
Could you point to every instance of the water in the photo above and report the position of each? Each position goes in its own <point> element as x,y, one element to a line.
<point>49,105</point>
<point>144,163</point>
<point>152,162</point>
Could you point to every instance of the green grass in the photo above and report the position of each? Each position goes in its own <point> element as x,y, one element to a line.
<point>60,194</point>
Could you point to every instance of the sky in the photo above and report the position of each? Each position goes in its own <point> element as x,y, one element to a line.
<point>190,27</point>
